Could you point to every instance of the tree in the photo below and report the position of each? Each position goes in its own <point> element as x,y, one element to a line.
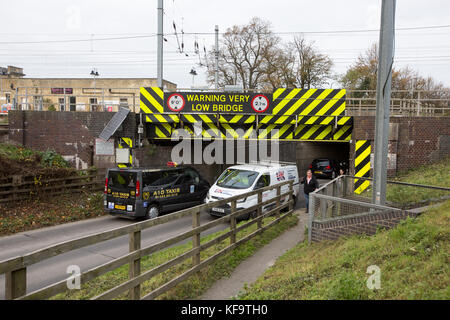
<point>253,56</point>
<point>362,75</point>
<point>311,68</point>
<point>244,55</point>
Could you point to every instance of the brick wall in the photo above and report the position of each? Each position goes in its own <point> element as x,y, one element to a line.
<point>420,140</point>
<point>72,134</point>
<point>363,223</point>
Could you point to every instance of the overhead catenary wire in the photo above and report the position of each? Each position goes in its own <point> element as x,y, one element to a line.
<point>212,33</point>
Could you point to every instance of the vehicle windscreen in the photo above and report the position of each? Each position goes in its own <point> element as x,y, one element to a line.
<point>122,180</point>
<point>237,179</point>
<point>162,178</point>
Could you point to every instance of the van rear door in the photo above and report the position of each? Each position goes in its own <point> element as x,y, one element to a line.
<point>121,192</point>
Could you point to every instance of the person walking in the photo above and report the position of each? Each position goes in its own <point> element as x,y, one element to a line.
<point>310,185</point>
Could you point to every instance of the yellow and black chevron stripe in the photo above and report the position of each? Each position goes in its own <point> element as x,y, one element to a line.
<point>264,131</point>
<point>126,143</point>
<point>162,118</point>
<point>273,131</point>
<point>313,102</point>
<point>312,132</point>
<point>343,133</point>
<point>160,130</point>
<point>362,165</point>
<point>196,117</point>
<point>276,119</point>
<point>151,100</point>
<point>237,119</point>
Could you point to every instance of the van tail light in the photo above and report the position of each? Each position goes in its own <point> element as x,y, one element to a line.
<point>328,167</point>
<point>106,185</point>
<point>138,188</point>
<point>310,166</point>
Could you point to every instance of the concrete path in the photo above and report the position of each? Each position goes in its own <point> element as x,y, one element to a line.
<point>252,268</point>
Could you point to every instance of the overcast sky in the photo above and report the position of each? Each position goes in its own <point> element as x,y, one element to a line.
<point>65,34</point>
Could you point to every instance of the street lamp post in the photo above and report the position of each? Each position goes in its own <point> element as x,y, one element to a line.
<point>193,73</point>
<point>94,73</point>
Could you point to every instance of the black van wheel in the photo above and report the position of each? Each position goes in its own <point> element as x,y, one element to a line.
<point>152,212</point>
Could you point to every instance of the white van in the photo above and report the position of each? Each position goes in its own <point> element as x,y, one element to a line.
<point>244,178</point>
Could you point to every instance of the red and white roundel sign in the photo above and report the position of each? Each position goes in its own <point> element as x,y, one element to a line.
<point>260,103</point>
<point>176,102</point>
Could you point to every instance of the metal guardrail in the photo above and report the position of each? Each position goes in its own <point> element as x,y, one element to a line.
<point>337,199</point>
<point>15,269</point>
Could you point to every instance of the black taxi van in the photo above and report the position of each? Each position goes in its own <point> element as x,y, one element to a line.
<point>149,192</point>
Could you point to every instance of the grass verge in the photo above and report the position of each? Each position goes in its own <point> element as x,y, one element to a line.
<point>194,286</point>
<point>413,259</point>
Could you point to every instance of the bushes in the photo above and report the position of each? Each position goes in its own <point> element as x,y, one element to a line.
<point>50,158</point>
<point>25,156</point>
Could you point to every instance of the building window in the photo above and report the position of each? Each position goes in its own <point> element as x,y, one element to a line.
<point>93,104</point>
<point>8,97</point>
<point>38,103</point>
<point>62,105</point>
<point>72,103</point>
<point>24,104</point>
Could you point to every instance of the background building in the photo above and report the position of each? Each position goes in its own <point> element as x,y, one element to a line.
<point>71,94</point>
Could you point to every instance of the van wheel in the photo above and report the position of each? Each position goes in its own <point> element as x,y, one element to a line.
<point>152,212</point>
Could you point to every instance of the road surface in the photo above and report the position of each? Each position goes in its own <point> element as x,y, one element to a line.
<point>54,269</point>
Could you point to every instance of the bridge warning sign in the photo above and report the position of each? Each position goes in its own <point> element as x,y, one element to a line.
<point>214,102</point>
<point>176,102</point>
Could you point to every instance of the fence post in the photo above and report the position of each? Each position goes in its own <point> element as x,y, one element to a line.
<point>196,236</point>
<point>135,264</point>
<point>15,283</point>
<point>312,209</point>
<point>291,195</point>
<point>233,223</point>
<point>278,201</point>
<point>259,210</point>
<point>323,204</point>
<point>16,181</point>
<point>344,186</point>
<point>335,194</point>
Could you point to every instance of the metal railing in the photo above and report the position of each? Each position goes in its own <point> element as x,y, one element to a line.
<point>358,102</point>
<point>15,269</point>
<point>337,198</point>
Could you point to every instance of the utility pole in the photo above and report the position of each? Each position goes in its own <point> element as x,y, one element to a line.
<point>160,44</point>
<point>385,61</point>
<point>216,54</point>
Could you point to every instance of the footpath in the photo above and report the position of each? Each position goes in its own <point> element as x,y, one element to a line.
<point>248,271</point>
